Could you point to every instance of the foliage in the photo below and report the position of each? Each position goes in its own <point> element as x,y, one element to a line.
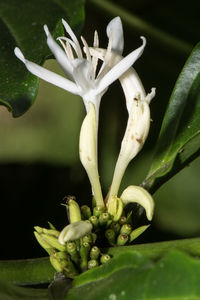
<point>144,271</point>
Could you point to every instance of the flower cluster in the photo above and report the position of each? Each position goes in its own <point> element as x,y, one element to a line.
<point>89,82</point>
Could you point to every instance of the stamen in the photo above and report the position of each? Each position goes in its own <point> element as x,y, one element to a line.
<point>86,49</point>
<point>96,40</point>
<point>73,37</point>
<point>69,51</point>
<point>74,46</point>
<point>95,58</point>
<point>88,56</point>
<point>63,45</point>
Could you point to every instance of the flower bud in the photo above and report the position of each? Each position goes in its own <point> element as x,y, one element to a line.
<point>105,258</point>
<point>115,208</point>
<point>93,263</point>
<point>74,231</point>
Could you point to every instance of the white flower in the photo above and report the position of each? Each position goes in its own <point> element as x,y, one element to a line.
<point>138,124</point>
<point>83,78</point>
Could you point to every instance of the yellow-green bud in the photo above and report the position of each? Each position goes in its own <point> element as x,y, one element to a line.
<point>93,263</point>
<point>105,258</point>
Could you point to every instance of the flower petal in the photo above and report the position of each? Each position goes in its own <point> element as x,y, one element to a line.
<point>121,67</point>
<point>136,194</point>
<point>59,54</point>
<point>115,26</point>
<point>82,74</point>
<point>47,75</point>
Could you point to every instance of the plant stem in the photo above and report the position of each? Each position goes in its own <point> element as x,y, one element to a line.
<point>137,24</point>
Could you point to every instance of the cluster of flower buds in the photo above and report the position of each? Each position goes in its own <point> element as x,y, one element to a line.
<point>69,253</point>
<point>75,248</point>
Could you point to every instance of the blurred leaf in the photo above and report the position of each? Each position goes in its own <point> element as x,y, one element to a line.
<point>27,271</point>
<point>12,292</point>
<point>177,207</point>
<point>132,276</point>
<point>179,140</point>
<point>21,24</point>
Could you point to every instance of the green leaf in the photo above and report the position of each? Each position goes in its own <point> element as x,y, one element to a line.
<point>132,276</point>
<point>37,271</point>
<point>28,271</point>
<point>21,24</point>
<point>157,250</point>
<point>12,292</point>
<point>179,140</point>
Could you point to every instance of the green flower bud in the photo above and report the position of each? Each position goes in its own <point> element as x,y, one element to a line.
<point>71,249</point>
<point>73,210</point>
<point>97,210</point>
<point>84,251</point>
<point>94,237</point>
<point>62,263</point>
<point>93,263</point>
<point>94,252</point>
<point>126,229</point>
<point>58,264</point>
<point>110,235</point>
<point>115,227</point>
<point>105,258</point>
<point>43,243</point>
<point>52,232</point>
<point>115,207</point>
<point>85,212</point>
<point>122,220</point>
<point>87,238</point>
<point>48,241</point>
<point>94,221</point>
<point>122,239</point>
<point>104,218</point>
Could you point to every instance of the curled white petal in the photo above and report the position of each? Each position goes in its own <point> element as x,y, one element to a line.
<point>136,194</point>
<point>115,26</point>
<point>59,54</point>
<point>121,67</point>
<point>74,231</point>
<point>47,75</point>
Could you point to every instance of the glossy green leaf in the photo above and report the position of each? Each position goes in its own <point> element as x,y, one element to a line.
<point>132,276</point>
<point>37,271</point>
<point>9,291</point>
<point>27,271</point>
<point>179,140</point>
<point>21,24</point>
<point>157,250</point>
